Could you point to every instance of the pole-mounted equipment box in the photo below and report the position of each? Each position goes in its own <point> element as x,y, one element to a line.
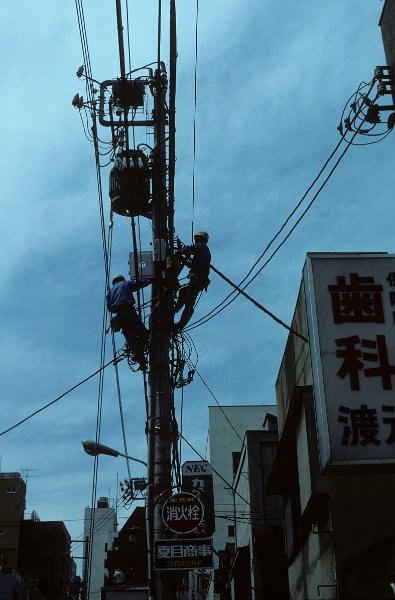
<point>145,265</point>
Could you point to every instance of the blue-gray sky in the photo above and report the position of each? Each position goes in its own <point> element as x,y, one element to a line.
<point>273,77</point>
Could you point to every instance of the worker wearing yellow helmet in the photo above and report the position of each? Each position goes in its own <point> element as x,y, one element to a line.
<point>197,257</point>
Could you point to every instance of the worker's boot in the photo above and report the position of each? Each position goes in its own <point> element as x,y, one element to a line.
<point>139,357</point>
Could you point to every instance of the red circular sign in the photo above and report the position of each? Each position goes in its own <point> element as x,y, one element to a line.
<point>183,512</point>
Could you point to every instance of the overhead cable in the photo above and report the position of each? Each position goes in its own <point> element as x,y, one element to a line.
<point>118,386</point>
<point>234,491</point>
<point>194,113</point>
<point>271,242</point>
<point>100,522</point>
<point>248,450</point>
<point>172,122</point>
<point>61,396</point>
<point>212,313</point>
<point>233,295</point>
<point>258,305</point>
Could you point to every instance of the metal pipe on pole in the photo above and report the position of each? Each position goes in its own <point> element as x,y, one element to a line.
<point>120,38</point>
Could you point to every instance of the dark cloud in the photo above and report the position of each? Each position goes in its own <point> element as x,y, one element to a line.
<point>273,78</point>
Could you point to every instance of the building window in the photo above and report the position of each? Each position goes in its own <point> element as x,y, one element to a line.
<point>235,460</point>
<point>2,531</point>
<point>10,490</point>
<point>231,531</point>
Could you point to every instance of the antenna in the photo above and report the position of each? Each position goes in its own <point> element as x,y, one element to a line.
<point>26,474</point>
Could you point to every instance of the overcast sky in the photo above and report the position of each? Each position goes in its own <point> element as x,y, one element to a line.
<point>273,77</point>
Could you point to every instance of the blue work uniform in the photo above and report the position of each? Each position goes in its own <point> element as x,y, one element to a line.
<point>120,300</point>
<point>199,259</point>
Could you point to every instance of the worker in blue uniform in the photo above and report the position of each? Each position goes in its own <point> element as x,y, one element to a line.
<point>197,257</point>
<point>120,300</point>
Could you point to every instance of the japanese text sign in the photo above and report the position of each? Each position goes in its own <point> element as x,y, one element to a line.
<point>198,475</point>
<point>183,512</point>
<point>350,301</point>
<point>184,554</point>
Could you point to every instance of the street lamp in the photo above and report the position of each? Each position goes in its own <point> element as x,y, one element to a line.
<point>93,449</point>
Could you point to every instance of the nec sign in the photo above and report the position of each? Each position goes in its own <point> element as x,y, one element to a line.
<point>193,468</point>
<point>198,475</point>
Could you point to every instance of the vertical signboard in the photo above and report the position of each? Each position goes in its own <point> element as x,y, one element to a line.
<point>199,475</point>
<point>350,301</point>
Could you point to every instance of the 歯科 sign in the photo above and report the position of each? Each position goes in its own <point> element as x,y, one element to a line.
<point>183,512</point>
<point>184,554</point>
<point>350,301</point>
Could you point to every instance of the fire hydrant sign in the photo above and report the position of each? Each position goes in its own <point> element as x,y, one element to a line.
<point>350,301</point>
<point>183,512</point>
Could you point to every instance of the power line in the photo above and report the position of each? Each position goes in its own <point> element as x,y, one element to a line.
<point>100,522</point>
<point>222,478</point>
<point>118,359</point>
<point>279,231</point>
<point>249,451</point>
<point>258,305</point>
<point>233,295</point>
<point>206,319</point>
<point>118,386</point>
<point>85,51</point>
<point>194,113</point>
<point>89,550</point>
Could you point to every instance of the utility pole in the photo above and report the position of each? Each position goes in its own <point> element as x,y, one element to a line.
<point>160,421</point>
<point>127,93</point>
<point>159,405</point>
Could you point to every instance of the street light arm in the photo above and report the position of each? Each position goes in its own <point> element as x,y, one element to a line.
<point>132,458</point>
<point>93,449</point>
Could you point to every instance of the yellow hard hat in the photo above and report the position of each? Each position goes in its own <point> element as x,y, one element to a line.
<point>118,278</point>
<point>202,234</point>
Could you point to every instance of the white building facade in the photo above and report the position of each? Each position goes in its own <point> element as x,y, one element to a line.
<point>100,528</point>
<point>227,427</point>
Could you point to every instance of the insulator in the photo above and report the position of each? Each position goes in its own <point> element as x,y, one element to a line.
<point>382,88</point>
<point>386,73</point>
<point>75,101</point>
<point>78,101</point>
<point>378,73</point>
<point>130,184</point>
